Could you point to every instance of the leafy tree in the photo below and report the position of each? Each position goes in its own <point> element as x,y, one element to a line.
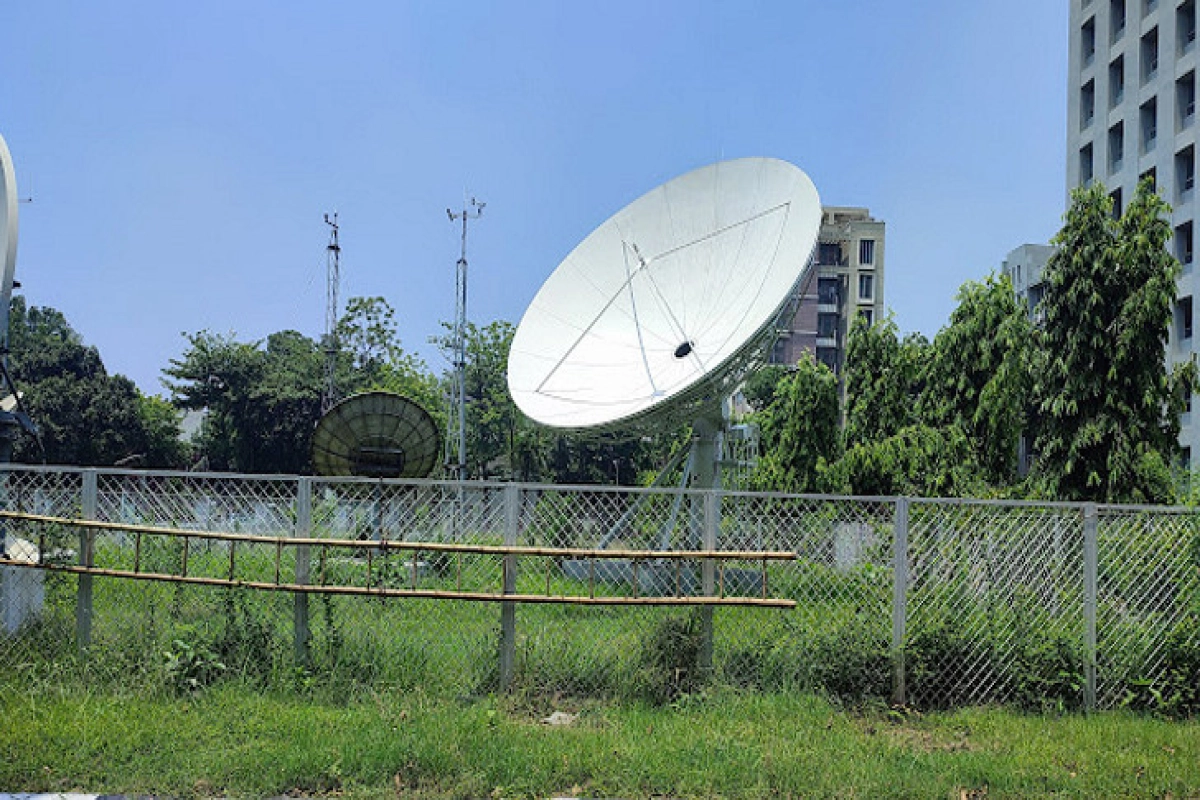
<point>84,415</point>
<point>799,427</point>
<point>978,377</point>
<point>917,460</point>
<point>883,379</point>
<point>1109,408</point>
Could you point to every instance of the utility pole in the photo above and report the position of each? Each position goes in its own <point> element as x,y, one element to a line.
<point>472,209</point>
<point>333,254</point>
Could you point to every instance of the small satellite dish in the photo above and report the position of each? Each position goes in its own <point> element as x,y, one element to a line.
<point>660,311</point>
<point>377,435</point>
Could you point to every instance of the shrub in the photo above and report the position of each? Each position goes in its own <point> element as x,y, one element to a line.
<point>669,663</point>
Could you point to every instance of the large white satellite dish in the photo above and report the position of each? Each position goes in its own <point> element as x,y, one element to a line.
<point>8,237</point>
<point>660,311</point>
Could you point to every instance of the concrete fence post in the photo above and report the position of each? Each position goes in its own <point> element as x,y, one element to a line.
<point>508,608</point>
<point>89,508</point>
<point>300,630</point>
<point>899,600</point>
<point>1091,564</point>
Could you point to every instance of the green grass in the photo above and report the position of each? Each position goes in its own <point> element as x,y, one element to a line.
<point>237,740</point>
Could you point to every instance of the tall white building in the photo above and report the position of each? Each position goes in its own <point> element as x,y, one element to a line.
<point>847,281</point>
<point>1131,113</point>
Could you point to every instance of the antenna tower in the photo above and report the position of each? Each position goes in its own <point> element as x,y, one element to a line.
<point>333,253</point>
<point>456,421</point>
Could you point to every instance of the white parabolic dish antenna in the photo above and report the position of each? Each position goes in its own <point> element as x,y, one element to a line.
<point>660,311</point>
<point>8,236</point>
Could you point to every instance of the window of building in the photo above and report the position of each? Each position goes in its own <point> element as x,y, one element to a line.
<point>866,287</point>
<point>867,316</point>
<point>827,291</point>
<point>1152,176</point>
<point>1117,208</point>
<point>1148,117</point>
<point>1185,458</point>
<point>829,254</point>
<point>1149,56</point>
<point>1087,104</point>
<point>1185,25</point>
<point>827,326</point>
<point>1116,147</point>
<point>1183,318</point>
<point>1185,100</point>
<point>1184,243</point>
<point>1087,42</point>
<point>1185,172</point>
<point>1116,18</point>
<point>828,356</point>
<point>1116,82</point>
<point>1086,167</point>
<point>1148,7</point>
<point>866,251</point>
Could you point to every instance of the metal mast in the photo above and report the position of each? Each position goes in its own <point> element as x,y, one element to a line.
<point>472,209</point>
<point>333,252</point>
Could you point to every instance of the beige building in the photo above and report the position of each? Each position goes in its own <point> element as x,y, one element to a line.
<point>847,281</point>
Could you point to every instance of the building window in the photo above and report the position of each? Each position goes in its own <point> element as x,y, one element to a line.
<point>1086,168</point>
<point>1185,172</point>
<point>1149,52</point>
<point>867,316</point>
<point>828,356</point>
<point>1185,458</point>
<point>1149,124</point>
<point>1087,104</point>
<point>1148,7</point>
<point>829,254</point>
<point>1116,147</point>
<point>866,251</point>
<point>827,291</point>
<point>1116,82</point>
<point>1185,25</point>
<point>1184,243</point>
<point>1116,18</point>
<point>1087,42</point>
<point>866,287</point>
<point>1183,318</point>
<point>1117,208</point>
<point>827,326</point>
<point>1185,100</point>
<point>1150,175</point>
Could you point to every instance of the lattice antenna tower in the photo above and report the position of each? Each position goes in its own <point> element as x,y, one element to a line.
<point>456,420</point>
<point>333,256</point>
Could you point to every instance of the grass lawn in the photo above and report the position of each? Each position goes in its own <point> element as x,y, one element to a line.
<point>235,740</point>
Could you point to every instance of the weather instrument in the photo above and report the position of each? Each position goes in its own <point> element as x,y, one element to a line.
<point>376,435</point>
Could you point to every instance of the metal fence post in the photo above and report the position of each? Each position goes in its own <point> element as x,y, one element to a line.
<point>300,629</point>
<point>1091,563</point>
<point>87,539</point>
<point>508,609</point>
<point>899,600</point>
<point>708,577</point>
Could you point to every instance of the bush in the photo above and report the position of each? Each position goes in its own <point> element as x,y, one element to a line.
<point>1174,688</point>
<point>669,663</point>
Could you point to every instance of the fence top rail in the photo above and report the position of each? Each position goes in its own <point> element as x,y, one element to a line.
<point>389,544</point>
<point>496,486</point>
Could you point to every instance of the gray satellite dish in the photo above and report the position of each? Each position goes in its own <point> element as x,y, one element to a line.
<point>377,435</point>
<point>661,311</point>
<point>8,238</point>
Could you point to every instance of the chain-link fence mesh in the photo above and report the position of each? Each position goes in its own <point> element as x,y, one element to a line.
<point>938,603</point>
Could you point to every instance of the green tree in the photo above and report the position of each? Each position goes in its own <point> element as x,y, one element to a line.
<point>798,428</point>
<point>883,379</point>
<point>918,460</point>
<point>1108,406</point>
<point>84,415</point>
<point>978,376</point>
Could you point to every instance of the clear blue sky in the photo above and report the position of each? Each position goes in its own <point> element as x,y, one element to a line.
<point>181,156</point>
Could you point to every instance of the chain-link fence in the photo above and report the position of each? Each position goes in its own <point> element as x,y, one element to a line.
<point>935,603</point>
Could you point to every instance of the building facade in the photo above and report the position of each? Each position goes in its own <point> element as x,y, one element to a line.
<point>847,281</point>
<point>1131,114</point>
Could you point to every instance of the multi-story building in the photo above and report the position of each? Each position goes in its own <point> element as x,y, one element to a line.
<point>1131,113</point>
<point>848,280</point>
<point>1024,267</point>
